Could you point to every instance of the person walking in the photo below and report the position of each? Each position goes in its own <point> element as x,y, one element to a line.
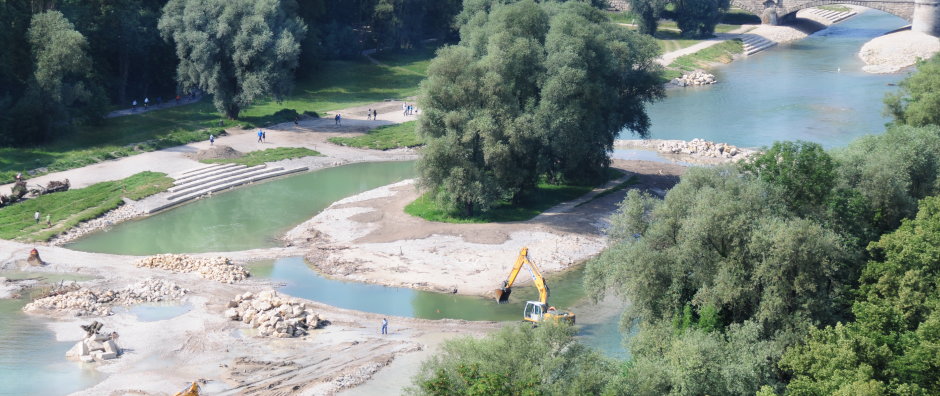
<point>48,220</point>
<point>177,99</point>
<point>338,119</point>
<point>369,114</point>
<point>375,114</point>
<point>36,216</point>
<point>384,326</point>
<point>146,102</point>
<point>211,139</point>
<point>264,136</point>
<point>134,105</point>
<point>260,134</point>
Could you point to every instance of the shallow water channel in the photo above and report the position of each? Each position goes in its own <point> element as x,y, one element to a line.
<point>599,329</point>
<point>249,217</point>
<point>32,362</point>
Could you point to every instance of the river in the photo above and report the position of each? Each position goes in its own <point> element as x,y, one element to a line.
<point>813,89</point>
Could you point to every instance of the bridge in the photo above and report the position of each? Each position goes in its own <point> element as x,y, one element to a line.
<point>924,15</point>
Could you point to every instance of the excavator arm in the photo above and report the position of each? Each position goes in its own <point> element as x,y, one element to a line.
<point>502,294</point>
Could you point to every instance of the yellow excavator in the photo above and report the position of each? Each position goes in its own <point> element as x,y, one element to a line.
<point>191,390</point>
<point>535,311</point>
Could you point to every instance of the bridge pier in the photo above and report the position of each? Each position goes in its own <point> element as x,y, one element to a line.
<point>926,17</point>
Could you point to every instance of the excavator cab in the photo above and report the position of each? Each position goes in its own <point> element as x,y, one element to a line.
<point>536,312</point>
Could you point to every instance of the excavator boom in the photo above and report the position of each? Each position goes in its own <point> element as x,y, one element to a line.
<point>502,294</point>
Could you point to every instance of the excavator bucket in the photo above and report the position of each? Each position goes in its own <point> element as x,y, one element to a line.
<point>502,295</point>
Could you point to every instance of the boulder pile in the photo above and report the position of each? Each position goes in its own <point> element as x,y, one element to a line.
<point>703,148</point>
<point>85,301</point>
<point>96,346</point>
<point>273,315</point>
<point>697,77</point>
<point>219,268</point>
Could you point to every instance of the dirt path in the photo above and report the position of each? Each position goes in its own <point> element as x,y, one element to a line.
<point>312,134</point>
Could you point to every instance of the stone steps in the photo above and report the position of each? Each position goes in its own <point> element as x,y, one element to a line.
<point>831,16</point>
<point>754,43</point>
<point>207,172</point>
<point>238,176</point>
<point>218,180</point>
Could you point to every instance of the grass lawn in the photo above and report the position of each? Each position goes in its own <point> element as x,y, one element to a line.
<point>335,85</point>
<point>835,7</point>
<point>384,137</point>
<point>68,208</point>
<point>270,155</point>
<point>720,53</point>
<point>622,17</point>
<point>545,197</point>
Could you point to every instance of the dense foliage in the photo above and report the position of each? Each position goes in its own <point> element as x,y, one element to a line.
<point>698,18</point>
<point>517,360</point>
<point>649,12</point>
<point>893,347</point>
<point>236,50</point>
<point>103,54</point>
<point>532,90</point>
<point>918,101</point>
<point>739,263</point>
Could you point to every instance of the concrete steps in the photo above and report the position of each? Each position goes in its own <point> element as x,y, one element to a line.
<point>754,43</point>
<point>829,15</point>
<point>207,180</point>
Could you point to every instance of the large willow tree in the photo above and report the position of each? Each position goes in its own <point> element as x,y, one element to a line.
<point>236,50</point>
<point>532,90</point>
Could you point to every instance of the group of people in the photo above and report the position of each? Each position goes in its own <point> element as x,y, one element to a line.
<point>408,109</point>
<point>372,114</point>
<point>191,95</point>
<point>262,135</point>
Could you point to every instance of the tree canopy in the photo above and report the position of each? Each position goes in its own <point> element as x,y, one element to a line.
<point>698,18</point>
<point>532,89</point>
<point>517,360</point>
<point>917,102</point>
<point>893,347</point>
<point>238,51</point>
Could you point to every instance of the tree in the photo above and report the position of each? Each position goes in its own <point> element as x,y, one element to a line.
<point>893,347</point>
<point>648,12</point>
<point>803,170</point>
<point>698,18</point>
<point>737,361</point>
<point>723,240</point>
<point>60,91</point>
<point>892,171</point>
<point>236,50</point>
<point>532,89</point>
<point>918,101</point>
<point>516,360</point>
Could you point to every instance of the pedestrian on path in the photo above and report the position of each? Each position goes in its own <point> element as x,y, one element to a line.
<point>375,114</point>
<point>48,219</point>
<point>384,326</point>
<point>338,119</point>
<point>211,139</point>
<point>146,102</point>
<point>264,136</point>
<point>134,105</point>
<point>177,99</point>
<point>260,135</point>
<point>36,216</point>
<point>369,114</point>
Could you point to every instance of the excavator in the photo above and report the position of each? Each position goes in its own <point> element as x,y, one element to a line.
<point>535,311</point>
